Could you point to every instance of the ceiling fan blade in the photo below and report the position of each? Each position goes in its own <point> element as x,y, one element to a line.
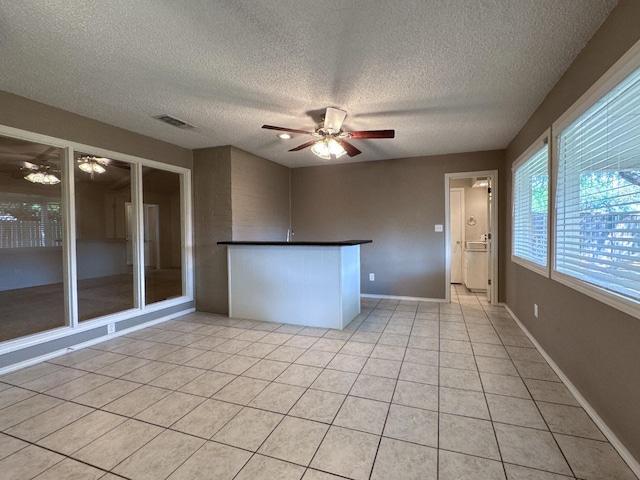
<point>304,145</point>
<point>290,130</point>
<point>333,119</point>
<point>350,149</point>
<point>373,134</point>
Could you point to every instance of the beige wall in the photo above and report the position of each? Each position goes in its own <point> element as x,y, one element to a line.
<point>212,224</point>
<point>596,346</point>
<point>259,197</point>
<point>395,203</point>
<point>20,112</point>
<point>238,196</point>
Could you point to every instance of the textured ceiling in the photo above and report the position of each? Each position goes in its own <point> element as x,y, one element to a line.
<point>448,76</point>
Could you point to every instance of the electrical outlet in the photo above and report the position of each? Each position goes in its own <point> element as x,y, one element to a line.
<point>111,328</point>
<point>372,277</point>
<point>438,228</point>
<point>535,310</point>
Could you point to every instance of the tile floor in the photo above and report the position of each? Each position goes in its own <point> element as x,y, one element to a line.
<point>409,390</point>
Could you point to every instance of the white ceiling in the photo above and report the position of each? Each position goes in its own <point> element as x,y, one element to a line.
<point>448,76</point>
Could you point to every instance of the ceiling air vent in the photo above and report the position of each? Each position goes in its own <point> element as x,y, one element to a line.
<point>173,121</point>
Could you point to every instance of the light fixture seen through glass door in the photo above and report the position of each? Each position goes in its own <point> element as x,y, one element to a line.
<point>44,175</point>
<point>91,165</point>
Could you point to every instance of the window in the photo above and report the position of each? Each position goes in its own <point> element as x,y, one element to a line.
<point>597,222</point>
<point>531,208</point>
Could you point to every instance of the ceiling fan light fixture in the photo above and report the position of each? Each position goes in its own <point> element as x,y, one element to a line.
<point>92,165</point>
<point>328,147</point>
<point>43,177</point>
<point>284,136</point>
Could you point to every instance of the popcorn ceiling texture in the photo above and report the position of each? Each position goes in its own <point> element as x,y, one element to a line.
<point>454,76</point>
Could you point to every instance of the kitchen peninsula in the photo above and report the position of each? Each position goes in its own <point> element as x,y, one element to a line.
<point>315,284</point>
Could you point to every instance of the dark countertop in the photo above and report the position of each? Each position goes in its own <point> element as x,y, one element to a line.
<point>344,243</point>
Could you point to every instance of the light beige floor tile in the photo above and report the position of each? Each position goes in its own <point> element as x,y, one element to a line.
<point>374,388</point>
<point>536,371</point>
<point>286,353</point>
<point>208,343</point>
<point>456,346</point>
<point>69,469</point>
<point>130,404</point>
<point>504,385</point>
<point>318,405</point>
<point>334,381</point>
<point>276,338</point>
<point>177,378</point>
<point>48,422</point>
<point>388,352</point>
<point>12,395</point>
<point>77,356</point>
<point>414,372</point>
<point>357,348</point>
<point>328,345</point>
<point>419,395</point>
<point>213,460</point>
<point>468,435</point>
<point>422,357</point>
<point>158,351</point>
<point>149,372</point>
<point>25,409</point>
<point>248,429</point>
<point>290,329</point>
<point>208,360</point>
<point>134,347</point>
<point>265,468</point>
<point>160,457</point>
<point>412,425</point>
<point>277,397</point>
<point>347,453</point>
<point>424,343</point>
<point>593,460</point>
<point>294,440</point>
<point>397,459</point>
<point>300,375</point>
<point>236,365</point>
<point>81,432</point>
<point>457,360</point>
<point>457,466</point>
<point>208,384</point>
<point>570,421</point>
<point>315,358</point>
<point>313,331</point>
<point>553,392</point>
<point>28,462</point>
<point>300,341</point>
<point>170,409</point>
<point>10,445</point>
<point>266,369</point>
<point>526,354</point>
<point>362,414</point>
<point>27,374</point>
<point>347,363</point>
<point>107,393</point>
<point>499,366</point>
<point>382,368</point>
<point>489,350</point>
<point>183,355</point>
<point>232,346</point>
<point>96,363</point>
<point>516,472</point>
<point>258,350</point>
<point>394,339</point>
<point>365,337</point>
<point>207,418</point>
<point>462,379</point>
<point>317,475</point>
<point>530,448</point>
<point>122,367</point>
<point>116,445</point>
<point>515,411</point>
<point>54,379</point>
<point>241,390</point>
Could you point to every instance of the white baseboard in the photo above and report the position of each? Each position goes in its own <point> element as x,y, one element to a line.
<point>95,341</point>
<point>396,297</point>
<point>613,439</point>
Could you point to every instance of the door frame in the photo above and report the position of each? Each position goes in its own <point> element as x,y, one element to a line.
<point>493,229</point>
<point>462,224</point>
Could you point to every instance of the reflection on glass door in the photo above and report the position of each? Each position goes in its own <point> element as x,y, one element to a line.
<point>162,235</point>
<point>32,293</point>
<point>104,266</point>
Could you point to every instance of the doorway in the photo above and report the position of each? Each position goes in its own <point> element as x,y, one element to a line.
<point>471,220</point>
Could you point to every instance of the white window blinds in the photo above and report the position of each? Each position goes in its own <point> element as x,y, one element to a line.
<point>598,193</point>
<point>531,210</point>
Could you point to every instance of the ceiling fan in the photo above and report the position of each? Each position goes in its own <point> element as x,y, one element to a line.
<point>330,139</point>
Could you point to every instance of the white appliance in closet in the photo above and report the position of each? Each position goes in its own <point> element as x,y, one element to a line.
<point>475,266</point>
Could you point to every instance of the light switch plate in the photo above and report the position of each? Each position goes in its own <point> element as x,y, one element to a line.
<point>438,228</point>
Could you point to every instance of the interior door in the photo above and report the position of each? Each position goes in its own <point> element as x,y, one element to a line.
<point>456,222</point>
